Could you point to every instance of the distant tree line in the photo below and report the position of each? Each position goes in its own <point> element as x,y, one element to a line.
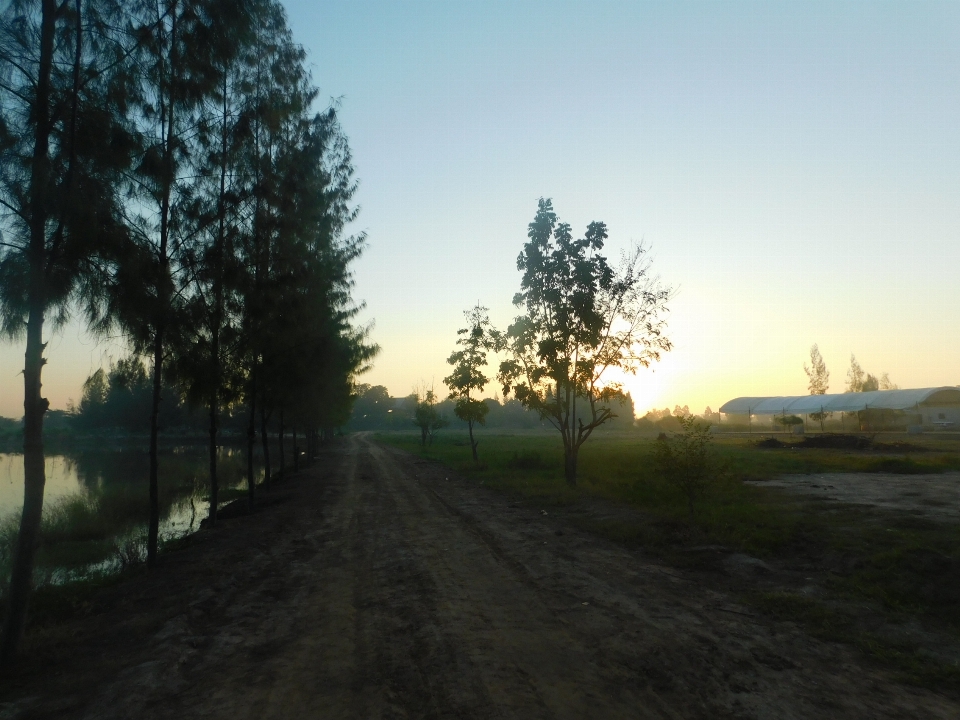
<point>375,409</point>
<point>164,173</point>
<point>119,398</point>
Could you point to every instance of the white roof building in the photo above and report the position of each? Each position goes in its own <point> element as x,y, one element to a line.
<point>844,402</point>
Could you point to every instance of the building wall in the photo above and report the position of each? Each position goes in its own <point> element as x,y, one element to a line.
<point>944,416</point>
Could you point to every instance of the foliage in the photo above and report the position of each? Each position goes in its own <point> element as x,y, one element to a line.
<point>64,145</point>
<point>855,376</point>
<point>374,409</point>
<point>887,384</point>
<point>426,416</point>
<point>162,167</point>
<point>685,459</point>
<point>817,374</point>
<point>581,319</point>
<point>860,381</point>
<point>818,381</point>
<point>61,154</point>
<point>788,420</point>
<point>467,374</point>
<point>119,398</point>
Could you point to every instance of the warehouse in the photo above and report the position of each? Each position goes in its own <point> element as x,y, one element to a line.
<point>936,407</point>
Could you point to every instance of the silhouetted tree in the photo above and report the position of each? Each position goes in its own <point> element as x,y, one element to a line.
<point>425,414</point>
<point>62,146</point>
<point>151,278</point>
<point>818,380</point>
<point>685,460</point>
<point>161,160</point>
<point>467,374</point>
<point>209,359</point>
<point>855,376</point>
<point>581,319</point>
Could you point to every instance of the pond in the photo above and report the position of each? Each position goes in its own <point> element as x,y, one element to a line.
<point>96,504</point>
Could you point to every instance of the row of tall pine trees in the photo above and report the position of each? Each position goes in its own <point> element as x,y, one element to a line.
<point>164,173</point>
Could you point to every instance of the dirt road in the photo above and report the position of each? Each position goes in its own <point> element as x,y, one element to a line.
<point>381,586</point>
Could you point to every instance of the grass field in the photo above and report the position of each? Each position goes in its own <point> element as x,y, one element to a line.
<point>886,582</point>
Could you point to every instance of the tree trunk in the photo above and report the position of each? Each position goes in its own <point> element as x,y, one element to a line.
<point>163,296</point>
<point>296,451</point>
<point>280,434</point>
<point>570,466</point>
<point>473,445</point>
<point>153,524</point>
<point>217,311</point>
<point>28,540</point>
<point>34,404</point>
<point>265,440</point>
<point>214,485</point>
<point>251,441</point>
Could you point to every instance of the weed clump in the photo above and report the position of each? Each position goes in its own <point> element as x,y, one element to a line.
<point>685,460</point>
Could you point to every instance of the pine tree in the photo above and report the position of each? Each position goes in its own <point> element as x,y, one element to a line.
<point>62,147</point>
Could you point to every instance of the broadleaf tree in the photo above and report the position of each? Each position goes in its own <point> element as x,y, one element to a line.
<point>467,375</point>
<point>581,320</point>
<point>426,416</point>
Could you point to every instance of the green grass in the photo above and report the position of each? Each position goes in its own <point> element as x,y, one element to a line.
<point>898,567</point>
<point>620,468</point>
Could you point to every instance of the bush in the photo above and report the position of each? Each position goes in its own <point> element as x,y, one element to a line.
<point>685,459</point>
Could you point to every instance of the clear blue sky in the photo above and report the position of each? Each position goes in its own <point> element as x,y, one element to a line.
<point>794,167</point>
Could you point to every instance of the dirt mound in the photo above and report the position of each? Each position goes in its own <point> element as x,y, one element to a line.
<point>838,441</point>
<point>770,443</point>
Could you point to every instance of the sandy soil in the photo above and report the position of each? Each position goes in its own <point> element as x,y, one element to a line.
<point>932,496</point>
<point>381,586</point>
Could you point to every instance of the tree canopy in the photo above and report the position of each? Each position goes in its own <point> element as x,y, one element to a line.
<point>165,164</point>
<point>581,319</point>
<point>467,375</point>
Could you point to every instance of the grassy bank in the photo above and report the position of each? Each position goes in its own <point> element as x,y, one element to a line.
<point>846,573</point>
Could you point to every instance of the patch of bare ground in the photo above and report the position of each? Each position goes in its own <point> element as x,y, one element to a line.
<point>933,496</point>
<point>376,585</point>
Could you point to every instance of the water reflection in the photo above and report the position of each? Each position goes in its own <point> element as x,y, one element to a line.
<point>96,502</point>
<point>61,481</point>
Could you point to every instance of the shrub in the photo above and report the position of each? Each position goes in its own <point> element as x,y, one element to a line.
<point>685,460</point>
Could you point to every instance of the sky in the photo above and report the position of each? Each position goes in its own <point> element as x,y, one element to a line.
<point>794,168</point>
